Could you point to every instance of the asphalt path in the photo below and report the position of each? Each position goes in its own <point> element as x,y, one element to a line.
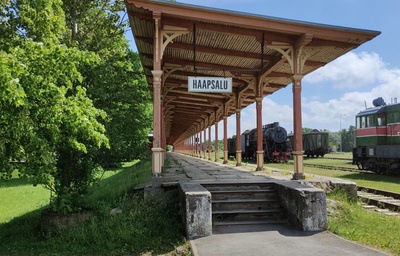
<point>282,240</point>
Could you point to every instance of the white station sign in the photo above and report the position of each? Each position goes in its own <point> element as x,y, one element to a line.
<point>209,84</point>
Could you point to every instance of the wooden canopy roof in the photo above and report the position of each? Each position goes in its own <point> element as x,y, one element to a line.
<point>252,49</point>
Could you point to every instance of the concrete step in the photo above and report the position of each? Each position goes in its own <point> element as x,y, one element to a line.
<point>254,222</point>
<point>249,204</point>
<point>249,215</point>
<point>245,203</point>
<point>240,186</point>
<point>242,194</point>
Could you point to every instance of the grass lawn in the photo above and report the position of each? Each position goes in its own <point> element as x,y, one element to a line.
<point>18,196</point>
<point>350,220</point>
<point>143,227</point>
<point>154,227</point>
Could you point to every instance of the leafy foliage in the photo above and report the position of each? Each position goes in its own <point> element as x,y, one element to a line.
<point>40,20</point>
<point>50,124</point>
<point>116,84</point>
<point>126,99</point>
<point>348,137</point>
<point>55,97</point>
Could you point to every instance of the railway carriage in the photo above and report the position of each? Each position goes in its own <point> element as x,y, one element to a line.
<point>315,143</point>
<point>378,138</point>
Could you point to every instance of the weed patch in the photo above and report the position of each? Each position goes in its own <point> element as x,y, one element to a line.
<point>350,220</point>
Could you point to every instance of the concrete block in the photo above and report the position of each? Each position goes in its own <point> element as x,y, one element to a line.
<point>156,181</point>
<point>196,209</point>
<point>151,193</point>
<point>348,186</point>
<point>330,184</point>
<point>305,205</point>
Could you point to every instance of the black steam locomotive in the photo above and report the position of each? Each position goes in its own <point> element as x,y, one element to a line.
<point>276,145</point>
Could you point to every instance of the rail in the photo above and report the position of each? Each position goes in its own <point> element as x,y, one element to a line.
<point>379,198</point>
<point>338,158</point>
<point>333,167</point>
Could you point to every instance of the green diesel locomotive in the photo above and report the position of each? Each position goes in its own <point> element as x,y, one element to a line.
<point>378,138</point>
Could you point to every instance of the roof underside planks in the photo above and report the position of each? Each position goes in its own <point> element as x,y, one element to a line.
<point>210,42</point>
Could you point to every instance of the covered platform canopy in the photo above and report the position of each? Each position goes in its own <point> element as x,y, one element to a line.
<point>261,54</point>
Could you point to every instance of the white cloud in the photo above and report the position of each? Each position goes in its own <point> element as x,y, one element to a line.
<point>358,70</point>
<point>337,110</point>
<point>350,71</point>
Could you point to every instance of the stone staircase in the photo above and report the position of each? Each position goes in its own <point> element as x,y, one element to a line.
<point>245,204</point>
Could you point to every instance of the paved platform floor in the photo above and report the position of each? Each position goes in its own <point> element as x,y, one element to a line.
<point>275,240</point>
<point>255,240</point>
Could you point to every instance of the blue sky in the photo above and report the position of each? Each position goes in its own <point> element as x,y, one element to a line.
<point>334,94</point>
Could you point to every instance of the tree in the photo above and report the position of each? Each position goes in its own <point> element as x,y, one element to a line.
<point>39,20</point>
<point>51,127</point>
<point>306,130</point>
<point>116,84</point>
<point>59,79</point>
<point>348,139</point>
<point>333,140</point>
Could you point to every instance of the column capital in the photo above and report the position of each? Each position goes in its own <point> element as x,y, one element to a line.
<point>157,72</point>
<point>156,15</point>
<point>259,102</point>
<point>297,77</point>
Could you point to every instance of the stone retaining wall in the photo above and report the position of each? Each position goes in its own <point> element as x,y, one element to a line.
<point>195,207</point>
<point>305,205</point>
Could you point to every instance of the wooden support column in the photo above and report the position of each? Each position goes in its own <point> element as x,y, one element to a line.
<point>194,144</point>
<point>201,144</point>
<point>238,140</point>
<point>209,143</point>
<point>157,150</point>
<point>238,107</point>
<point>204,147</point>
<point>260,151</point>
<point>216,142</point>
<point>191,146</point>
<point>199,139</point>
<point>297,127</point>
<point>225,139</point>
<point>163,137</point>
<point>299,57</point>
<point>296,57</point>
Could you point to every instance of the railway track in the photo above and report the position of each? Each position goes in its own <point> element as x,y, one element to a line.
<point>380,198</point>
<point>333,167</point>
<point>339,158</point>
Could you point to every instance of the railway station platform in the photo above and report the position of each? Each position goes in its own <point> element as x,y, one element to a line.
<point>263,239</point>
